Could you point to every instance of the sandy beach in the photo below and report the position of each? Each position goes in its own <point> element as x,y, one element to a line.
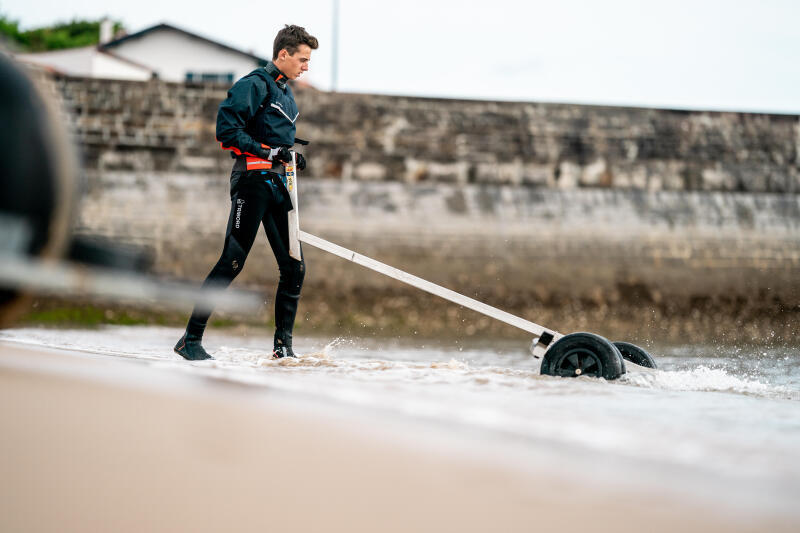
<point>99,443</point>
<point>629,172</point>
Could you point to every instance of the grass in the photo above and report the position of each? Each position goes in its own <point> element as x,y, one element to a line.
<point>362,316</point>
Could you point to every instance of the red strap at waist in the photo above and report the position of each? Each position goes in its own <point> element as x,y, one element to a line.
<point>256,163</point>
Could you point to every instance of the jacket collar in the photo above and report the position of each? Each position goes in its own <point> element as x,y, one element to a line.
<point>276,75</point>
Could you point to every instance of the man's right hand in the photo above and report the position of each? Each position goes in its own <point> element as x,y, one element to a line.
<point>282,154</point>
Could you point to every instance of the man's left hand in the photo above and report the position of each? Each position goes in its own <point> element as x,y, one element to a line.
<point>300,161</point>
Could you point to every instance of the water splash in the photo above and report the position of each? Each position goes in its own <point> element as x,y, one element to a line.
<point>706,379</point>
<point>452,364</point>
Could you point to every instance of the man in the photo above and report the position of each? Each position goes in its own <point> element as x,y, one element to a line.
<point>257,123</point>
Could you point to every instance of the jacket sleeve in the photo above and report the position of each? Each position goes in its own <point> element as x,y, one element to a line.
<point>235,111</point>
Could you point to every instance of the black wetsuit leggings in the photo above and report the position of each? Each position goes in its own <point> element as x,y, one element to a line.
<point>255,201</point>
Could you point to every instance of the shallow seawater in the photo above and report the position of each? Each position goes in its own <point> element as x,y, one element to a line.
<point>725,414</point>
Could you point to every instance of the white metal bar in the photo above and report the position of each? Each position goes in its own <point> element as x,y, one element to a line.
<point>294,214</point>
<point>69,279</point>
<point>425,285</point>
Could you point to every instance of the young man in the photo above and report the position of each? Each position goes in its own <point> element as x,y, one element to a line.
<point>257,123</point>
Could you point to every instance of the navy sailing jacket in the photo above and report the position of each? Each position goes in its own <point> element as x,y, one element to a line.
<point>259,113</point>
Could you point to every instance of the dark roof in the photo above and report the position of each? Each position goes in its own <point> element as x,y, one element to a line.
<point>124,60</point>
<point>162,26</point>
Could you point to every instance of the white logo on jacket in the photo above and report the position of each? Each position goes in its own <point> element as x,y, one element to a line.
<point>278,106</point>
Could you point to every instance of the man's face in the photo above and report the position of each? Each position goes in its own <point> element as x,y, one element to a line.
<point>294,65</point>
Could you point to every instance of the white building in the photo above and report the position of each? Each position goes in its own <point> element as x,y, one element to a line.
<point>178,55</point>
<point>90,61</point>
<point>161,51</point>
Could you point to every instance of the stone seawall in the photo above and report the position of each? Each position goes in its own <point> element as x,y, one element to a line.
<point>644,259</point>
<point>652,223</point>
<point>157,126</point>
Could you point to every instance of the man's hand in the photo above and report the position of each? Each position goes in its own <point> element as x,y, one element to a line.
<point>300,160</point>
<point>282,154</point>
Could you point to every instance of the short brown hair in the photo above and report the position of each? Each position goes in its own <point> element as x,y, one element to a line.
<point>291,37</point>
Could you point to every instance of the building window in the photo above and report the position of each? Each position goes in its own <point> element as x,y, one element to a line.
<point>209,77</point>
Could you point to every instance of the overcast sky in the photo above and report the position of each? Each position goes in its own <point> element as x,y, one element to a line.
<point>707,54</point>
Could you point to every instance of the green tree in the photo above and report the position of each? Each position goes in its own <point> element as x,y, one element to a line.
<point>57,37</point>
<point>9,32</point>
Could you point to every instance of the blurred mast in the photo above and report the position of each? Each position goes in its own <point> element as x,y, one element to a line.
<point>335,47</point>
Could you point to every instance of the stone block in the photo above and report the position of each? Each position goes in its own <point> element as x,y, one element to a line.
<point>370,171</point>
<point>568,175</point>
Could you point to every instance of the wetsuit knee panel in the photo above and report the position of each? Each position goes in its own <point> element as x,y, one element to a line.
<point>233,256</point>
<point>293,272</point>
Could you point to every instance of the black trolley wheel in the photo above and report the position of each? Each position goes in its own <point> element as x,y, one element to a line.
<point>583,354</point>
<point>634,354</point>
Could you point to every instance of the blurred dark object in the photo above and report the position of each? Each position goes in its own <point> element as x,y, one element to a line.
<point>102,252</point>
<point>38,178</point>
<point>39,184</point>
<point>39,194</point>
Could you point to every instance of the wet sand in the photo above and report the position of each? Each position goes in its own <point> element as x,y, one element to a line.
<point>93,443</point>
